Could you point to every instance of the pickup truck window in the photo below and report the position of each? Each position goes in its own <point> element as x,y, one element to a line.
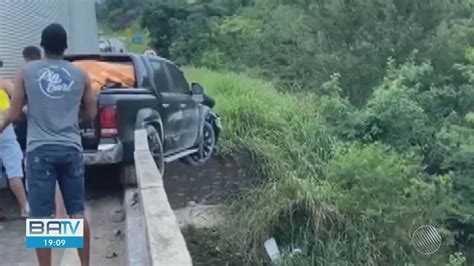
<point>180,83</point>
<point>159,76</point>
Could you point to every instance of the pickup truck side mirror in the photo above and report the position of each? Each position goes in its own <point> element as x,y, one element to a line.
<point>197,89</point>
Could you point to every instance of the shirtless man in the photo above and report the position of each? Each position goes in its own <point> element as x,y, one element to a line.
<point>11,157</point>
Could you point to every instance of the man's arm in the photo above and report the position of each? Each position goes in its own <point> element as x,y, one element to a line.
<point>18,100</point>
<point>89,105</point>
<point>17,93</point>
<point>7,85</point>
<point>9,88</point>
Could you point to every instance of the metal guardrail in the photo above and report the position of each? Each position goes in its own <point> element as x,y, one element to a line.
<point>165,243</point>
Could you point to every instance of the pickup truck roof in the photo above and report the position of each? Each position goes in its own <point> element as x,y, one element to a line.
<point>73,57</point>
<point>142,76</point>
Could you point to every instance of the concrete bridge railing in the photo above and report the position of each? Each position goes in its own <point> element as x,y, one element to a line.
<point>165,244</point>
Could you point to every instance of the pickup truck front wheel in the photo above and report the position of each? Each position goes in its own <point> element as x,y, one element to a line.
<point>156,147</point>
<point>205,148</point>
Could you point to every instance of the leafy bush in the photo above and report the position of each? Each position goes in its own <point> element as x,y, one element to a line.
<point>343,118</point>
<point>394,117</point>
<point>381,191</point>
<point>457,144</point>
<point>457,259</point>
<point>214,59</point>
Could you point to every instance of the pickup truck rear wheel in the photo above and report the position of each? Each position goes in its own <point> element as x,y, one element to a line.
<point>206,147</point>
<point>156,147</point>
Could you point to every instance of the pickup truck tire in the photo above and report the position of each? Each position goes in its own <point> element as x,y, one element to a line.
<point>156,148</point>
<point>206,147</point>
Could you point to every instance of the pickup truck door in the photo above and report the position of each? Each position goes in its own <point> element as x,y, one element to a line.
<point>169,109</point>
<point>189,125</point>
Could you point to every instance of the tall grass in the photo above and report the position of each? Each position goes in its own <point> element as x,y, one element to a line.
<point>282,130</point>
<point>336,201</point>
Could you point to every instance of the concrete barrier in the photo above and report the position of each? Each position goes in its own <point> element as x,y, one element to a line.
<point>165,243</point>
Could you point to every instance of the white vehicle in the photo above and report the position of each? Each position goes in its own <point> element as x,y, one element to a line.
<point>112,45</point>
<point>21,24</point>
<point>105,46</point>
<point>150,53</point>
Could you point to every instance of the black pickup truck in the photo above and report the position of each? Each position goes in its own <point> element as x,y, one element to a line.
<point>177,116</point>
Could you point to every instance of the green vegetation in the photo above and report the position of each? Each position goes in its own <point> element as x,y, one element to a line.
<point>347,185</point>
<point>359,116</point>
<point>117,15</point>
<point>299,44</point>
<point>139,48</point>
<point>119,19</point>
<point>207,249</point>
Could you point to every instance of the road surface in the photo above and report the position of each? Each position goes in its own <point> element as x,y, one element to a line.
<point>205,185</point>
<point>104,209</point>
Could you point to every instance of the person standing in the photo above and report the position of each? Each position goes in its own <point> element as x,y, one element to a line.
<point>33,53</point>
<point>11,156</point>
<point>55,91</point>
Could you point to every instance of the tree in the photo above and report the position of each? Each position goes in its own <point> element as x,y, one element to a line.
<point>119,14</point>
<point>181,28</point>
<point>160,18</point>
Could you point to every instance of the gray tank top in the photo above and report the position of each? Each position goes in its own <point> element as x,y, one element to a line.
<point>54,90</point>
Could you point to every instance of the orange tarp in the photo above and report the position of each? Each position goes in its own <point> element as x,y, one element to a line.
<point>101,73</point>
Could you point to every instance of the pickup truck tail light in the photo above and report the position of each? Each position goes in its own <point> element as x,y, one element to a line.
<point>108,122</point>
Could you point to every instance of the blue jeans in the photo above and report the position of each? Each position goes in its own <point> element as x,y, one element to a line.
<point>45,165</point>
<point>11,155</point>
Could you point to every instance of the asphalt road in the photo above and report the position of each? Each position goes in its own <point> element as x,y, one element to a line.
<point>104,210</point>
<point>186,186</point>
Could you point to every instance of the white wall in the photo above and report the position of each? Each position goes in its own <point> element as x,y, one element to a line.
<point>84,36</point>
<point>21,23</point>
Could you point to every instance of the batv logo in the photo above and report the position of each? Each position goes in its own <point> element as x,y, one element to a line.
<point>54,233</point>
<point>55,81</point>
<point>53,227</point>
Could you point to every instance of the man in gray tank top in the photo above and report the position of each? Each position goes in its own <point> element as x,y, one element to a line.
<point>55,91</point>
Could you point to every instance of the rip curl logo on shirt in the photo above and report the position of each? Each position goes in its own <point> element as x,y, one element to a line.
<point>55,81</point>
